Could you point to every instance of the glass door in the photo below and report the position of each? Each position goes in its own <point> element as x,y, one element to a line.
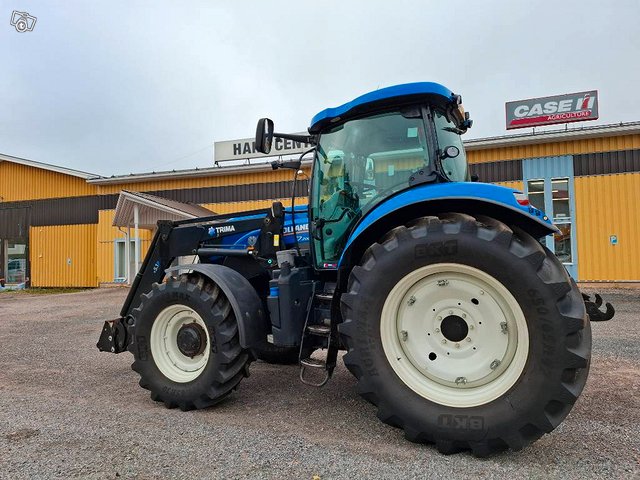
<point>553,196</point>
<point>16,262</point>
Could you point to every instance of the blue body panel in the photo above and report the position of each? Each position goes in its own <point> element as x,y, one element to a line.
<point>470,191</point>
<point>241,240</point>
<point>418,88</point>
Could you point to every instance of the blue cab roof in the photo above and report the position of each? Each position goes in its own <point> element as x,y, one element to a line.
<point>378,97</point>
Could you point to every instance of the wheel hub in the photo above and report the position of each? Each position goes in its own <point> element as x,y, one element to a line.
<point>191,340</point>
<point>180,343</point>
<point>454,328</point>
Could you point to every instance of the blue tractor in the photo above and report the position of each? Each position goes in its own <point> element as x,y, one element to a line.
<point>459,325</point>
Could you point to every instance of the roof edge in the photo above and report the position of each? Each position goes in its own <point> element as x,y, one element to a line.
<point>191,173</point>
<point>47,166</point>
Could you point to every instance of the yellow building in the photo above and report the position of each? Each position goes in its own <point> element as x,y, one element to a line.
<point>59,228</point>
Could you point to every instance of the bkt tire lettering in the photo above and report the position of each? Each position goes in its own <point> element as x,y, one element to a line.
<point>437,249</point>
<point>461,422</point>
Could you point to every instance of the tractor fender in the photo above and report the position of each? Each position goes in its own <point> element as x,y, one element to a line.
<point>429,199</point>
<point>244,300</point>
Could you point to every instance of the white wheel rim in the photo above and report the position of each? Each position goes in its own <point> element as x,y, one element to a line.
<point>439,366</point>
<point>171,362</point>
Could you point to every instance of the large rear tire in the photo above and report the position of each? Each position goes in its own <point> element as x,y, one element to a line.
<point>466,333</point>
<point>186,346</point>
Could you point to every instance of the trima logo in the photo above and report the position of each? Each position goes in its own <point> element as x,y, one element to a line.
<point>215,231</point>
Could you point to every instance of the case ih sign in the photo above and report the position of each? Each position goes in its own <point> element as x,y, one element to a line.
<point>572,107</point>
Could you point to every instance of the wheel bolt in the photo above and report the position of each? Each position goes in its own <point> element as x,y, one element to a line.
<point>468,339</point>
<point>464,315</point>
<point>437,330</point>
<point>471,327</point>
<point>481,292</point>
<point>457,345</point>
<point>404,335</point>
<point>444,341</point>
<point>439,319</point>
<point>450,312</point>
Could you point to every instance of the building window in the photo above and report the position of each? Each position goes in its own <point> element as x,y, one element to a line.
<point>560,196</point>
<point>535,190</point>
<point>120,256</point>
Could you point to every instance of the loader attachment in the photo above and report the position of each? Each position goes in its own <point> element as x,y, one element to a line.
<point>593,308</point>
<point>113,337</point>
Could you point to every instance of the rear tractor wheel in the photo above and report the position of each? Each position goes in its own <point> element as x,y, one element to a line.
<point>186,345</point>
<point>466,333</point>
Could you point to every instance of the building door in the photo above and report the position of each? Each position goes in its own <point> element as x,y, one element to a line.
<point>14,262</point>
<point>549,183</point>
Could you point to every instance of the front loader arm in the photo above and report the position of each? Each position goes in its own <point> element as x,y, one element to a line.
<point>172,240</point>
<point>167,244</point>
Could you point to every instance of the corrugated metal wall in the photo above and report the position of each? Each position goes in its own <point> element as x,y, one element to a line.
<point>20,182</point>
<point>63,256</point>
<point>516,185</point>
<point>606,205</point>
<point>600,144</point>
<point>607,162</point>
<point>534,168</point>
<point>502,171</point>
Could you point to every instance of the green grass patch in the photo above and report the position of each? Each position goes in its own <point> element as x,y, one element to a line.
<point>45,291</point>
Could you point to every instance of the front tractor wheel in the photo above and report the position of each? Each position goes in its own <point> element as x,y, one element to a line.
<point>466,333</point>
<point>186,345</point>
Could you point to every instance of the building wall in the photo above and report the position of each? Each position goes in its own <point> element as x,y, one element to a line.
<point>551,149</point>
<point>70,219</point>
<point>63,256</point>
<point>606,205</point>
<point>22,182</point>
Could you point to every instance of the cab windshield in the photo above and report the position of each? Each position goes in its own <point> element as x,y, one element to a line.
<point>359,164</point>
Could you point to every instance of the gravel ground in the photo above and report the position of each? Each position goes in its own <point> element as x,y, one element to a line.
<point>67,410</point>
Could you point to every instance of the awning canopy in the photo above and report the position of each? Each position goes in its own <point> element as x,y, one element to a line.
<point>151,209</point>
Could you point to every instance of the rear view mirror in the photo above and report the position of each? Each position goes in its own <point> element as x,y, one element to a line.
<point>264,135</point>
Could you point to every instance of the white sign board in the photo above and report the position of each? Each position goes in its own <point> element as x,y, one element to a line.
<point>246,148</point>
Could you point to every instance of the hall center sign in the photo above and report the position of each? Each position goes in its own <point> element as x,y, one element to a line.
<point>246,148</point>
<point>572,107</point>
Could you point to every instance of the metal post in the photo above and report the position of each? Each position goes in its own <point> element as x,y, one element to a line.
<point>127,254</point>
<point>136,221</point>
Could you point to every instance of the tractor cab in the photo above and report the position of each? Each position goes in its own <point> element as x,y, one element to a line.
<point>374,147</point>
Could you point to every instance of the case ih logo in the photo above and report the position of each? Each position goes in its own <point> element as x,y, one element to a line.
<point>573,107</point>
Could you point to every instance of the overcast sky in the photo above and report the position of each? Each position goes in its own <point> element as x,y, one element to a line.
<point>115,87</point>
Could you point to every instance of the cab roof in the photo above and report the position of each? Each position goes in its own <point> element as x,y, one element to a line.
<point>397,94</point>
